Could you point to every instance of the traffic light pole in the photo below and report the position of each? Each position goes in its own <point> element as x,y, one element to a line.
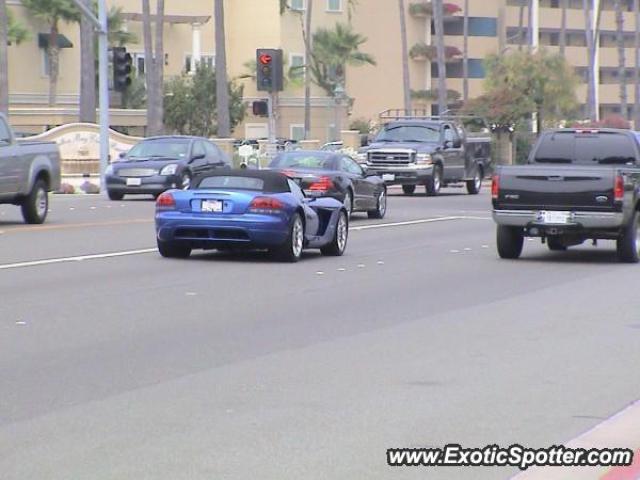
<point>101,26</point>
<point>272,118</point>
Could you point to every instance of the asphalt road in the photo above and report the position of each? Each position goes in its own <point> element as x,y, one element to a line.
<point>130,366</point>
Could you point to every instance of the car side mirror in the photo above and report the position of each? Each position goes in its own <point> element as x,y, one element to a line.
<point>448,144</point>
<point>457,143</point>
<point>121,155</point>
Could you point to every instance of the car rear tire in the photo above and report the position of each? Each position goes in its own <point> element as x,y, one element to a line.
<point>340,237</point>
<point>115,195</point>
<point>408,189</point>
<point>434,182</point>
<point>510,242</point>
<point>174,249</point>
<point>555,244</point>
<point>474,186</point>
<point>381,206</point>
<point>35,206</point>
<point>291,250</point>
<point>628,245</point>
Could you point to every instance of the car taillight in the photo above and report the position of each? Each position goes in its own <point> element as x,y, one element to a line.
<point>618,190</point>
<point>495,187</point>
<point>166,202</point>
<point>322,184</point>
<point>266,205</point>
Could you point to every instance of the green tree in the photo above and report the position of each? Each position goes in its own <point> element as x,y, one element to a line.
<point>10,32</point>
<point>190,106</point>
<point>118,36</point>
<point>333,50</point>
<point>53,12</point>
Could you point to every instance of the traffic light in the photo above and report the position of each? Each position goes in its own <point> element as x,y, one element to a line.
<point>269,70</point>
<point>122,62</point>
<point>260,108</point>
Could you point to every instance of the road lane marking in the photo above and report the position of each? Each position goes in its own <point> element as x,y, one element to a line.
<point>98,256</point>
<point>101,256</point>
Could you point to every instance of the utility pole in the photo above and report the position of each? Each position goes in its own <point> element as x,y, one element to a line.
<point>100,24</point>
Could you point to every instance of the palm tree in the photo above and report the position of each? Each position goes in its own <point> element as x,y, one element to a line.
<point>563,27</point>
<point>333,50</point>
<point>636,74</point>
<point>406,81</point>
<point>438,14</point>
<point>306,32</point>
<point>222,89</point>
<point>592,37</point>
<point>118,36</point>
<point>52,12</point>
<point>87,69</point>
<point>4,62</point>
<point>154,67</point>
<point>622,71</point>
<point>465,52</point>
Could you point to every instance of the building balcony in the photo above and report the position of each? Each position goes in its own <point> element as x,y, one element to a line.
<point>422,52</point>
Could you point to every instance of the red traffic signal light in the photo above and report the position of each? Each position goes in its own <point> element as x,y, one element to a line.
<point>265,59</point>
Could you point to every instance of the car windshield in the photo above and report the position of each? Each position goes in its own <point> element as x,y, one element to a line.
<point>409,133</point>
<point>586,148</point>
<point>159,149</point>
<point>303,160</point>
<point>232,182</point>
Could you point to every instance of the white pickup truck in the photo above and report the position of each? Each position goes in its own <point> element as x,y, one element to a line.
<point>28,172</point>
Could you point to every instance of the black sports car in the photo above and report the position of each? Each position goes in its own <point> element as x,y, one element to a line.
<point>333,174</point>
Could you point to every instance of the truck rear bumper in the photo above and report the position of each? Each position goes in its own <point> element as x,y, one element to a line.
<point>585,220</point>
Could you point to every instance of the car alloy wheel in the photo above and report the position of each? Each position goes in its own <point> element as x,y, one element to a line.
<point>185,181</point>
<point>42,202</point>
<point>297,236</point>
<point>348,202</point>
<point>342,232</point>
<point>382,203</point>
<point>436,180</point>
<point>477,181</point>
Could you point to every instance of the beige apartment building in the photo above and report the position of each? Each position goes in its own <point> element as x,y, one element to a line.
<point>189,37</point>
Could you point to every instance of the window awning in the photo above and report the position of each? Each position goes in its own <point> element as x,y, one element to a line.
<point>63,42</point>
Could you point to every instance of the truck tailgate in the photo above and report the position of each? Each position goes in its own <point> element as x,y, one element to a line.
<point>551,187</point>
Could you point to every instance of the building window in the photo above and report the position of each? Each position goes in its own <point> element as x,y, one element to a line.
<point>296,132</point>
<point>454,70</point>
<point>334,5</point>
<point>296,65</point>
<point>478,27</point>
<point>297,4</point>
<point>208,60</point>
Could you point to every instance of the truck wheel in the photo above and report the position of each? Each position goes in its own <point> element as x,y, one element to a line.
<point>35,206</point>
<point>474,186</point>
<point>408,189</point>
<point>434,182</point>
<point>115,195</point>
<point>628,244</point>
<point>174,249</point>
<point>555,244</point>
<point>510,241</point>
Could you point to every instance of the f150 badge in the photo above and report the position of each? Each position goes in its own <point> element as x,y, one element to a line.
<point>512,196</point>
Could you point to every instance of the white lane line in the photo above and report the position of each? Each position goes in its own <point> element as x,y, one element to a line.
<point>52,261</point>
<point>410,222</point>
<point>100,256</point>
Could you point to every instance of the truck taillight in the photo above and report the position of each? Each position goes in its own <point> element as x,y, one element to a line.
<point>618,190</point>
<point>266,205</point>
<point>495,187</point>
<point>322,184</point>
<point>166,202</point>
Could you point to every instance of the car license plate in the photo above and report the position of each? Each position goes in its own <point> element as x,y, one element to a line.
<point>561,218</point>
<point>134,182</point>
<point>388,177</point>
<point>212,206</point>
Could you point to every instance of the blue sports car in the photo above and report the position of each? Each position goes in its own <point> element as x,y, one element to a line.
<point>257,209</point>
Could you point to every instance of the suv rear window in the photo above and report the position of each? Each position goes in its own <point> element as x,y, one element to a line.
<point>601,148</point>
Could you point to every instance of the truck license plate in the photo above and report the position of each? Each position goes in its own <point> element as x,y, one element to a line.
<point>212,206</point>
<point>388,177</point>
<point>561,218</point>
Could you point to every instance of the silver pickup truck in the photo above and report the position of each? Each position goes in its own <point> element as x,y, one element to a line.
<point>28,172</point>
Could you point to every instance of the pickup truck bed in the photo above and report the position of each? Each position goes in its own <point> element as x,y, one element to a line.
<point>578,185</point>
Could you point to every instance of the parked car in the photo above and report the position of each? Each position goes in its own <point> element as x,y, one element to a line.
<point>578,185</point>
<point>332,174</point>
<point>157,164</point>
<point>249,209</point>
<point>413,149</point>
<point>28,172</point>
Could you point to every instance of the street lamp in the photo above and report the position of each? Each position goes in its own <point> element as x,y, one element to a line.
<point>339,95</point>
